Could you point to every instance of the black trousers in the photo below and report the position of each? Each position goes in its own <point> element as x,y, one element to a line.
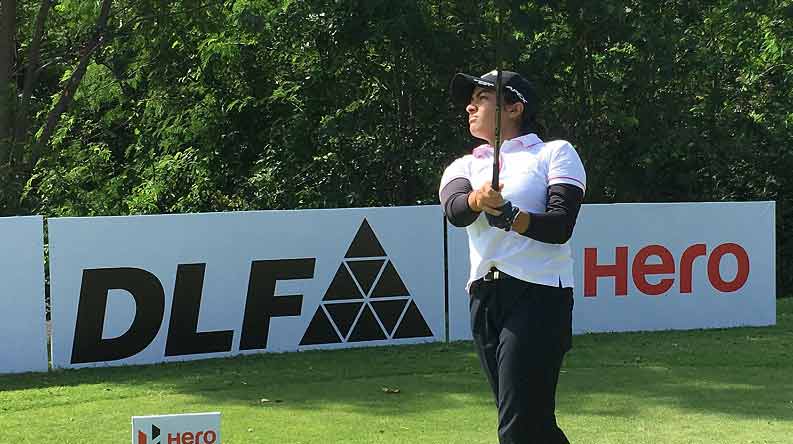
<point>521,332</point>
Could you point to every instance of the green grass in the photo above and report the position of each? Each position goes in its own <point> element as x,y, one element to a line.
<point>713,386</point>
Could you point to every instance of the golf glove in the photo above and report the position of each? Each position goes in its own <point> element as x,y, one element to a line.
<point>507,217</point>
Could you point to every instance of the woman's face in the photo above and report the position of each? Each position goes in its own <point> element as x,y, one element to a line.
<point>481,116</point>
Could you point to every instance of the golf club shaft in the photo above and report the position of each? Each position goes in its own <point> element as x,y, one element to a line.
<point>497,147</point>
<point>499,96</point>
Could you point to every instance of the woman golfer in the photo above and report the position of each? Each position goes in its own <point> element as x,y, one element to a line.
<point>521,281</point>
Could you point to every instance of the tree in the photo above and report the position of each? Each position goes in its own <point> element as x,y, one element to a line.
<point>20,148</point>
<point>162,106</point>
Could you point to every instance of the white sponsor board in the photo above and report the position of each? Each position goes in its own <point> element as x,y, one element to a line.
<point>190,428</point>
<point>147,289</point>
<point>657,267</point>
<point>23,347</point>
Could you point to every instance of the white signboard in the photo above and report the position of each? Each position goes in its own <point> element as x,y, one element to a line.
<point>657,267</point>
<point>146,289</point>
<point>192,428</point>
<point>23,347</point>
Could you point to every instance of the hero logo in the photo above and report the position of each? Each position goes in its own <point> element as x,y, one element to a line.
<point>641,269</point>
<point>204,437</point>
<point>155,436</point>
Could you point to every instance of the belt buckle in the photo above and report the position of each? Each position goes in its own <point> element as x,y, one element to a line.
<point>492,275</point>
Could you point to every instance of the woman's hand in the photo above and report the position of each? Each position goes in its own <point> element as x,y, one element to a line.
<point>486,199</point>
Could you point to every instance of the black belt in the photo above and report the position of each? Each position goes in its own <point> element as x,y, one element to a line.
<point>495,274</point>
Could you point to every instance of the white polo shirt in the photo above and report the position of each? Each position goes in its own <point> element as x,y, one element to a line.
<point>528,167</point>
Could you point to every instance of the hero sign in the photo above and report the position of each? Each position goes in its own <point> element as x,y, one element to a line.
<point>641,269</point>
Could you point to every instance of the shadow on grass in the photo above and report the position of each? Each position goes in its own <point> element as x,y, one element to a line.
<point>743,372</point>
<point>355,378</point>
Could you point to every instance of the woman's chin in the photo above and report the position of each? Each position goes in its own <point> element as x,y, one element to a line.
<point>478,135</point>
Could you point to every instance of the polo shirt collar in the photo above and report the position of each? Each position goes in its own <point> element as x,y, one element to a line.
<point>511,145</point>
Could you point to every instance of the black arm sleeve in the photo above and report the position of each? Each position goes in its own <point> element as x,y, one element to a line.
<point>555,226</point>
<point>454,200</point>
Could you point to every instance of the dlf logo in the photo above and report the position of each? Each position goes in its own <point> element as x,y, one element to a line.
<point>261,305</point>
<point>155,436</point>
<point>367,299</point>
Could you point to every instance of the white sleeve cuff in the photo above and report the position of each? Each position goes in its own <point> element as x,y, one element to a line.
<point>568,180</point>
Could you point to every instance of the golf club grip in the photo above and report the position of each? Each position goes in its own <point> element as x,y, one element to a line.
<point>494,182</point>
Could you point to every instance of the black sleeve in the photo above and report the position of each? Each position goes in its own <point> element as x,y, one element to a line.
<point>454,200</point>
<point>555,226</point>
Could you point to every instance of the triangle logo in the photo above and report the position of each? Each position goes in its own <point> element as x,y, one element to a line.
<point>367,300</point>
<point>366,272</point>
<point>365,243</point>
<point>367,328</point>
<point>413,324</point>
<point>344,315</point>
<point>390,284</point>
<point>342,287</point>
<point>389,312</point>
<point>320,330</point>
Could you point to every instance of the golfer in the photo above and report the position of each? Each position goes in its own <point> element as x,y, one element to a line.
<point>521,281</point>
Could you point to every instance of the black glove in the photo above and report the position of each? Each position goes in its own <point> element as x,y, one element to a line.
<point>507,217</point>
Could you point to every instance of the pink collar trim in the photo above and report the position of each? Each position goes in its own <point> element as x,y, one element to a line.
<point>519,143</point>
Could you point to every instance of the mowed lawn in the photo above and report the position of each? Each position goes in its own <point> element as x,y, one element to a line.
<point>714,386</point>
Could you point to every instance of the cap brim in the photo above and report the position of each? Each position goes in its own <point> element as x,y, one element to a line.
<point>463,85</point>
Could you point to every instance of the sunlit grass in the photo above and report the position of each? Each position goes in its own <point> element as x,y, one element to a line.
<point>715,386</point>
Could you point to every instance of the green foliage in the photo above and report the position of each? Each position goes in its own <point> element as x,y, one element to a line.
<point>255,104</point>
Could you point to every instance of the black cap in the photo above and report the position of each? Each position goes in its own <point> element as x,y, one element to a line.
<point>520,89</point>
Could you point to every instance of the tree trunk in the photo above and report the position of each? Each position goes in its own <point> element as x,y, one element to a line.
<point>8,26</point>
<point>31,73</point>
<point>67,95</point>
